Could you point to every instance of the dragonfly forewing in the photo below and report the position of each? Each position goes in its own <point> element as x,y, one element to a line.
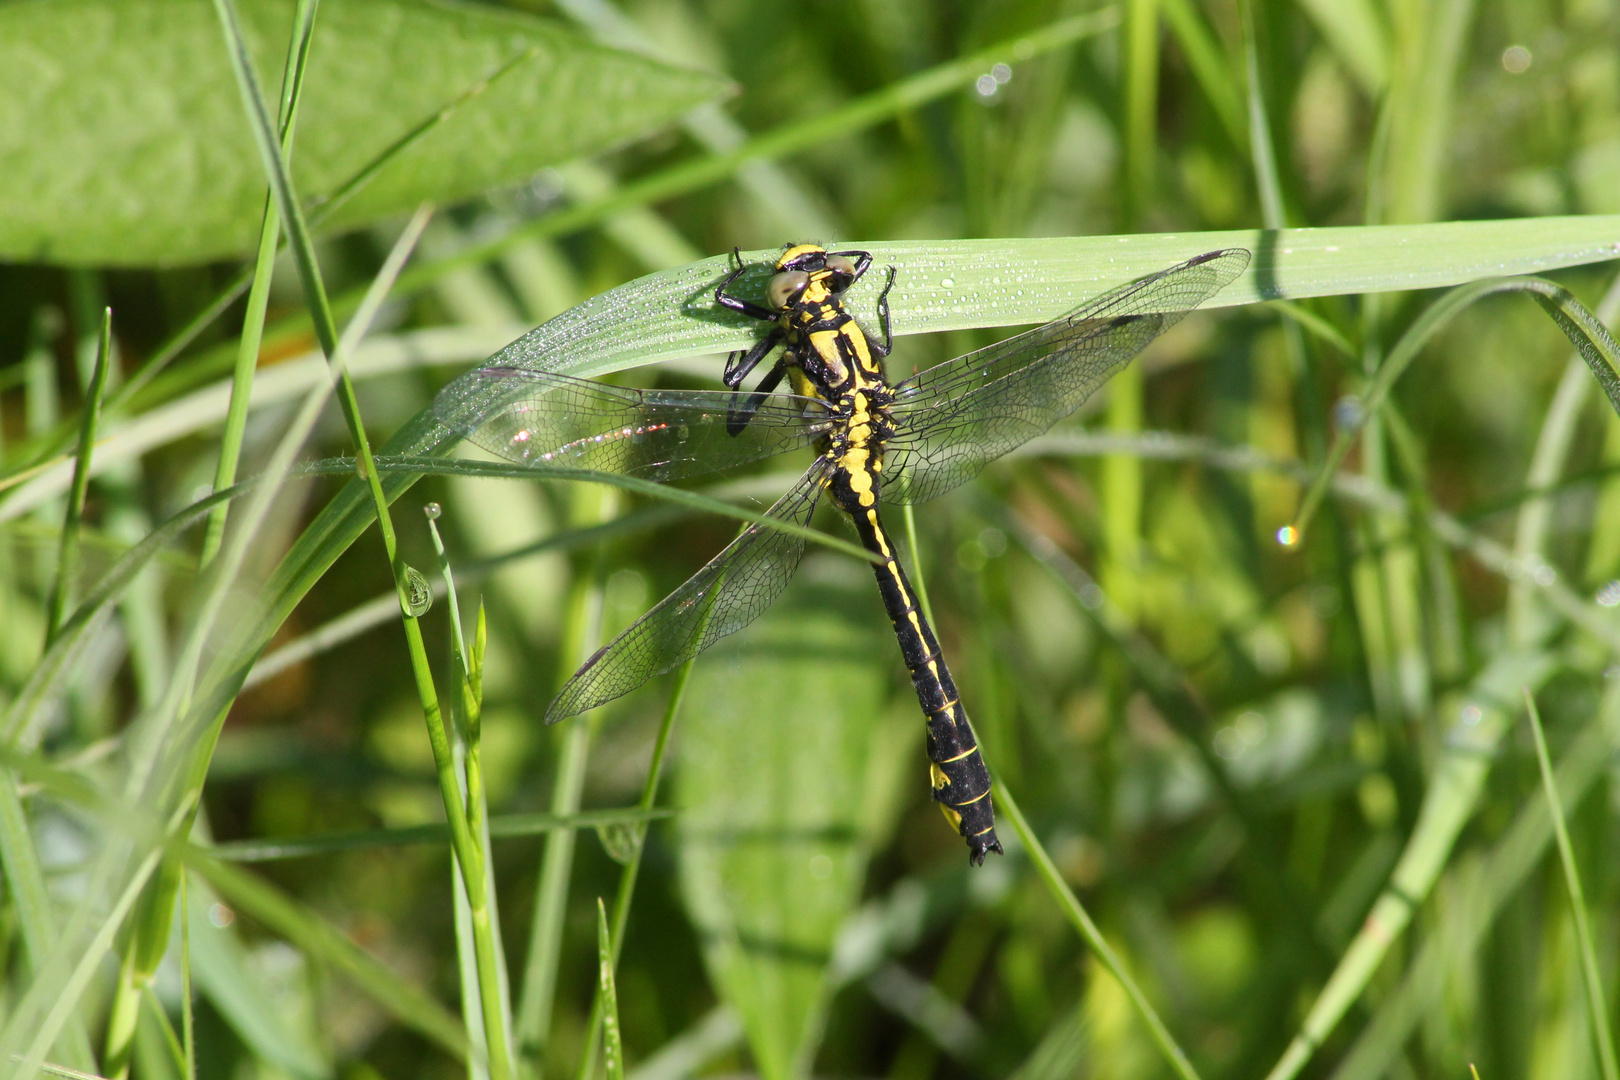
<point>546,420</point>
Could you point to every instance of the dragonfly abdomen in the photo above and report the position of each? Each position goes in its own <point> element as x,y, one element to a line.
<point>961,782</point>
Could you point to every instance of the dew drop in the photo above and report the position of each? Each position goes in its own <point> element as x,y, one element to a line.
<point>418,593</point>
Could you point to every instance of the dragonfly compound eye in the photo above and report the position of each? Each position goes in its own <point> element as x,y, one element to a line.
<point>785,287</point>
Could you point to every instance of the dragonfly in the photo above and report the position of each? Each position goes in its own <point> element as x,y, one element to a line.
<point>877,444</point>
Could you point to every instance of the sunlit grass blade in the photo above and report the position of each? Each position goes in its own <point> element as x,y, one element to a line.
<point>247,349</point>
<point>1174,1056</point>
<point>474,868</point>
<point>149,936</point>
<point>964,284</point>
<point>1597,1010</point>
<point>67,560</point>
<point>27,892</point>
<point>787,139</point>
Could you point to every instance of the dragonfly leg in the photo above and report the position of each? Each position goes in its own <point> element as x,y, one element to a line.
<point>735,304</point>
<point>738,416</point>
<point>740,363</point>
<point>883,319</point>
<point>863,260</point>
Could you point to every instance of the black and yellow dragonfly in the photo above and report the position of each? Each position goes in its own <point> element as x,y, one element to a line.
<point>877,444</point>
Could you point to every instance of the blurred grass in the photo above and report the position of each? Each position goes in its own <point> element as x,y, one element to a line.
<point>1287,782</point>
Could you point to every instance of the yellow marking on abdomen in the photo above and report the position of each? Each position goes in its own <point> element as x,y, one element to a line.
<point>966,753</point>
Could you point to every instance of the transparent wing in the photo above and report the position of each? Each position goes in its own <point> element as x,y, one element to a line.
<point>953,419</point>
<point>546,420</point>
<point>732,590</point>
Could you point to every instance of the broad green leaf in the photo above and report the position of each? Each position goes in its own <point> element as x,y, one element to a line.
<point>958,284</point>
<point>124,141</point>
<point>790,758</point>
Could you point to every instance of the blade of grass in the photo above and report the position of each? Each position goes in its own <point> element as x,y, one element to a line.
<point>489,989</point>
<point>1448,803</point>
<point>474,869</point>
<point>1589,336</point>
<point>247,349</point>
<point>1140,43</point>
<point>1497,880</point>
<point>865,112</point>
<point>1076,914</point>
<point>613,1047</point>
<point>628,875</point>
<point>188,1018</point>
<point>964,284</point>
<point>1260,147</point>
<point>67,560</point>
<point>150,934</point>
<point>1203,53</point>
<point>1597,1011</point>
<point>581,635</point>
<point>26,891</point>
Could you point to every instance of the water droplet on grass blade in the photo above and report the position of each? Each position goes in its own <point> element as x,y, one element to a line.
<point>418,593</point>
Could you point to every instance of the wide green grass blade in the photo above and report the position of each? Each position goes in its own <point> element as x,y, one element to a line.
<point>133,152</point>
<point>960,284</point>
<point>67,559</point>
<point>789,760</point>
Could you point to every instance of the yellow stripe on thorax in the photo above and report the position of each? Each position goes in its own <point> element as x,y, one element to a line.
<point>794,252</point>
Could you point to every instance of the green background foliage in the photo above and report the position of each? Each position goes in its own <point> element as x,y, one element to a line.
<point>1270,809</point>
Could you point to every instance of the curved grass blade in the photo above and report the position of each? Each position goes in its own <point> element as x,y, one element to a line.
<point>1584,330</point>
<point>1597,1011</point>
<point>1076,914</point>
<point>962,284</point>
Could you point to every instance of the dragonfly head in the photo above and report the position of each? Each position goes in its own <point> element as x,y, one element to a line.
<point>806,265</point>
